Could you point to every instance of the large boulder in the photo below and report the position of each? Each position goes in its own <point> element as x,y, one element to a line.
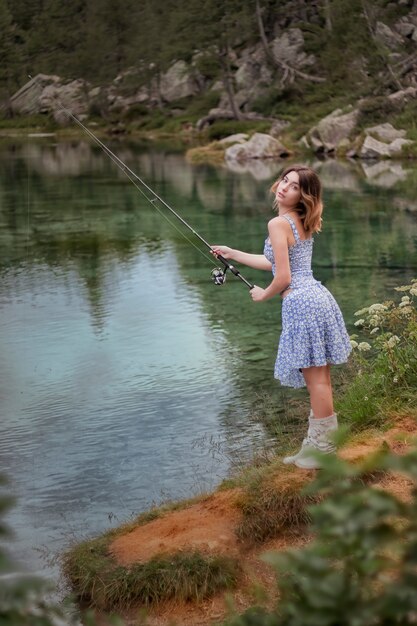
<point>51,94</point>
<point>406,27</point>
<point>403,96</point>
<point>331,131</point>
<point>385,132</point>
<point>374,149</point>
<point>289,47</point>
<point>259,146</point>
<point>388,37</point>
<point>178,82</point>
<point>26,101</point>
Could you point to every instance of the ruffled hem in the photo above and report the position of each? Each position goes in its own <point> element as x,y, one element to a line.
<point>316,339</point>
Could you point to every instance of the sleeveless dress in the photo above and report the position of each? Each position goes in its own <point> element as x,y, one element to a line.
<point>313,330</point>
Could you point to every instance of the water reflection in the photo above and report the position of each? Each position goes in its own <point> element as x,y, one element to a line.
<point>118,352</point>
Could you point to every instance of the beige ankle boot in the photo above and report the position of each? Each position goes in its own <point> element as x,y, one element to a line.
<point>319,439</point>
<point>290,459</point>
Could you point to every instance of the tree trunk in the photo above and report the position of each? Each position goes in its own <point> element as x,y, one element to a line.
<point>327,14</point>
<point>227,82</point>
<point>288,71</point>
<point>393,75</point>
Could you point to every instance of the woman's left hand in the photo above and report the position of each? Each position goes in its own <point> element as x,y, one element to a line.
<point>257,294</point>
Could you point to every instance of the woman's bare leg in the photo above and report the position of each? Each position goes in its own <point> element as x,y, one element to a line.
<point>319,386</point>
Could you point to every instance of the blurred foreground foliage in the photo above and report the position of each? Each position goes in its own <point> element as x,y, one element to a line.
<point>25,600</point>
<point>361,567</point>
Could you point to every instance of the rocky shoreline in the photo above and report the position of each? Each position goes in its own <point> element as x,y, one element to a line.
<point>337,134</point>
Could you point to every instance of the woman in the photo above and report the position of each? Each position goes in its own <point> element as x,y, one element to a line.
<point>313,335</point>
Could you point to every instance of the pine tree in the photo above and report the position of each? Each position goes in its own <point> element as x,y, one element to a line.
<point>9,53</point>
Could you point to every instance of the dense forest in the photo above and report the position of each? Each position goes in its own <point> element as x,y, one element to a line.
<point>352,48</point>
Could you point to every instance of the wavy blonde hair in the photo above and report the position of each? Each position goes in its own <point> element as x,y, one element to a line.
<point>310,206</point>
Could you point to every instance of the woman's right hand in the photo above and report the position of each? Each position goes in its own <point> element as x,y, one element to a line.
<point>224,251</point>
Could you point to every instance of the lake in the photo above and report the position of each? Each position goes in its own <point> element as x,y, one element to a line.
<point>126,376</point>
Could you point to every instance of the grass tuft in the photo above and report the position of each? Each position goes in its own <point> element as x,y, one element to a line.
<point>100,582</point>
<point>211,153</point>
<point>275,503</point>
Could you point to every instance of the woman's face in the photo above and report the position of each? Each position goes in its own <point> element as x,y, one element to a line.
<point>288,192</point>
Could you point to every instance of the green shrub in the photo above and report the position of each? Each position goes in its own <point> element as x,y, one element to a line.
<point>361,569</point>
<point>223,128</point>
<point>376,110</point>
<point>386,378</point>
<point>23,597</point>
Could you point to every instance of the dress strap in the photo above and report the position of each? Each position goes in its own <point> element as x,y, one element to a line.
<point>293,228</point>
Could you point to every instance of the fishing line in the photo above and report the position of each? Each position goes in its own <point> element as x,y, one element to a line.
<point>218,275</point>
<point>152,201</point>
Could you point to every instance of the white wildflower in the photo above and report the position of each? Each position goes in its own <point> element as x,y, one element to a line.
<point>405,310</point>
<point>392,341</point>
<point>403,304</point>
<point>361,311</point>
<point>374,330</point>
<point>403,288</point>
<point>359,322</point>
<point>405,299</point>
<point>395,379</point>
<point>374,321</point>
<point>364,346</point>
<point>377,307</point>
<point>413,291</point>
<point>366,398</point>
<point>353,343</point>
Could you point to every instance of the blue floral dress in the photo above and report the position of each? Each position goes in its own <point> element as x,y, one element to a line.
<point>313,330</point>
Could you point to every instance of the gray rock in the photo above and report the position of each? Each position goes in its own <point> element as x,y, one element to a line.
<point>396,146</point>
<point>71,96</point>
<point>259,146</point>
<point>385,132</point>
<point>403,96</point>
<point>374,149</point>
<point>26,100</point>
<point>236,138</point>
<point>331,131</point>
<point>289,47</point>
<point>49,94</point>
<point>277,128</point>
<point>404,27</point>
<point>178,82</point>
<point>388,37</point>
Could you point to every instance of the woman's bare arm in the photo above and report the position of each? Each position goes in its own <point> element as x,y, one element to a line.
<point>278,236</point>
<point>257,261</point>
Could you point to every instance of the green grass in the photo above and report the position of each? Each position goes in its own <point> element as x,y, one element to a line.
<point>384,375</point>
<point>99,581</point>
<point>274,502</point>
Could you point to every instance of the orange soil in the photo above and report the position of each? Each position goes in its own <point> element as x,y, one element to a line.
<point>209,526</point>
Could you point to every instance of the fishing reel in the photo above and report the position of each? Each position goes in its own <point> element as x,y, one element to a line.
<point>218,276</point>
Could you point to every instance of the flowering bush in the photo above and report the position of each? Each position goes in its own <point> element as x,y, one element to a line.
<point>386,362</point>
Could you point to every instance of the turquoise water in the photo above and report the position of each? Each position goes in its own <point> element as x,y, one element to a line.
<point>126,376</point>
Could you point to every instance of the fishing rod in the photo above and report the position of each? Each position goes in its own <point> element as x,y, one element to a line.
<point>218,274</point>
